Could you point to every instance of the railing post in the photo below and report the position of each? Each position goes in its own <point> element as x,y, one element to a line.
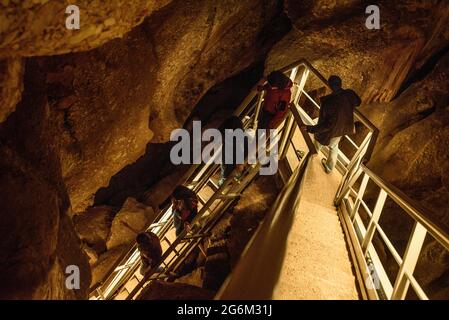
<point>359,197</point>
<point>302,84</point>
<point>409,262</point>
<point>298,119</point>
<point>374,220</point>
<point>348,180</point>
<point>283,144</point>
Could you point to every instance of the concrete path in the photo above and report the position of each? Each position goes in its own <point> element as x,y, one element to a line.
<point>316,263</point>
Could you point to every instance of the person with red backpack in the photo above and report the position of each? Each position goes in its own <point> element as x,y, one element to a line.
<point>277,99</point>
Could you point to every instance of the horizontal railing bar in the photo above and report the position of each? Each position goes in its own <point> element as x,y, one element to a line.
<point>311,99</point>
<point>390,246</point>
<point>352,142</point>
<point>365,206</point>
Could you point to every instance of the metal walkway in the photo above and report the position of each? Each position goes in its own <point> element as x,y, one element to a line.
<point>367,243</point>
<point>319,226</point>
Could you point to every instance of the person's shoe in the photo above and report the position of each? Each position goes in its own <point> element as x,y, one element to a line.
<point>326,169</point>
<point>221,182</point>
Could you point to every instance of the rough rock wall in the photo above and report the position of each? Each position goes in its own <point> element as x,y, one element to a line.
<point>84,115</point>
<point>191,55</point>
<point>153,77</point>
<point>333,36</point>
<point>37,27</point>
<point>37,241</point>
<point>11,73</point>
<point>100,99</point>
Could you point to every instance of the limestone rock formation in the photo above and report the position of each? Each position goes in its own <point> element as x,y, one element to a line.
<point>132,216</point>
<point>38,27</point>
<point>191,55</point>
<point>94,226</point>
<point>11,86</point>
<point>37,241</point>
<point>100,101</point>
<point>77,106</point>
<point>333,36</point>
<point>414,132</point>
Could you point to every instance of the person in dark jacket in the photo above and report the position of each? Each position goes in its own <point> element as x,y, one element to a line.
<point>277,98</point>
<point>336,120</point>
<point>185,208</point>
<point>150,250</point>
<point>231,123</point>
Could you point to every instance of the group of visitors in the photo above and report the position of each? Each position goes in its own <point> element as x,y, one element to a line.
<point>336,119</point>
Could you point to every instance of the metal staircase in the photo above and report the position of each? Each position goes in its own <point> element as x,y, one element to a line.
<point>124,280</point>
<point>295,151</point>
<point>360,224</point>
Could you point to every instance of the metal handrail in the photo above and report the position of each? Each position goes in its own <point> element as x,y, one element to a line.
<point>362,251</point>
<point>414,209</point>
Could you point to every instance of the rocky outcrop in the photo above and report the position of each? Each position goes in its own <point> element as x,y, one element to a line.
<point>133,217</point>
<point>413,134</point>
<point>191,55</point>
<point>37,241</point>
<point>11,86</point>
<point>94,226</point>
<point>100,101</point>
<point>333,36</point>
<point>38,27</point>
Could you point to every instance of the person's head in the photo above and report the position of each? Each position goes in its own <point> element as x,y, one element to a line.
<point>335,83</point>
<point>278,79</point>
<point>178,197</point>
<point>143,242</point>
